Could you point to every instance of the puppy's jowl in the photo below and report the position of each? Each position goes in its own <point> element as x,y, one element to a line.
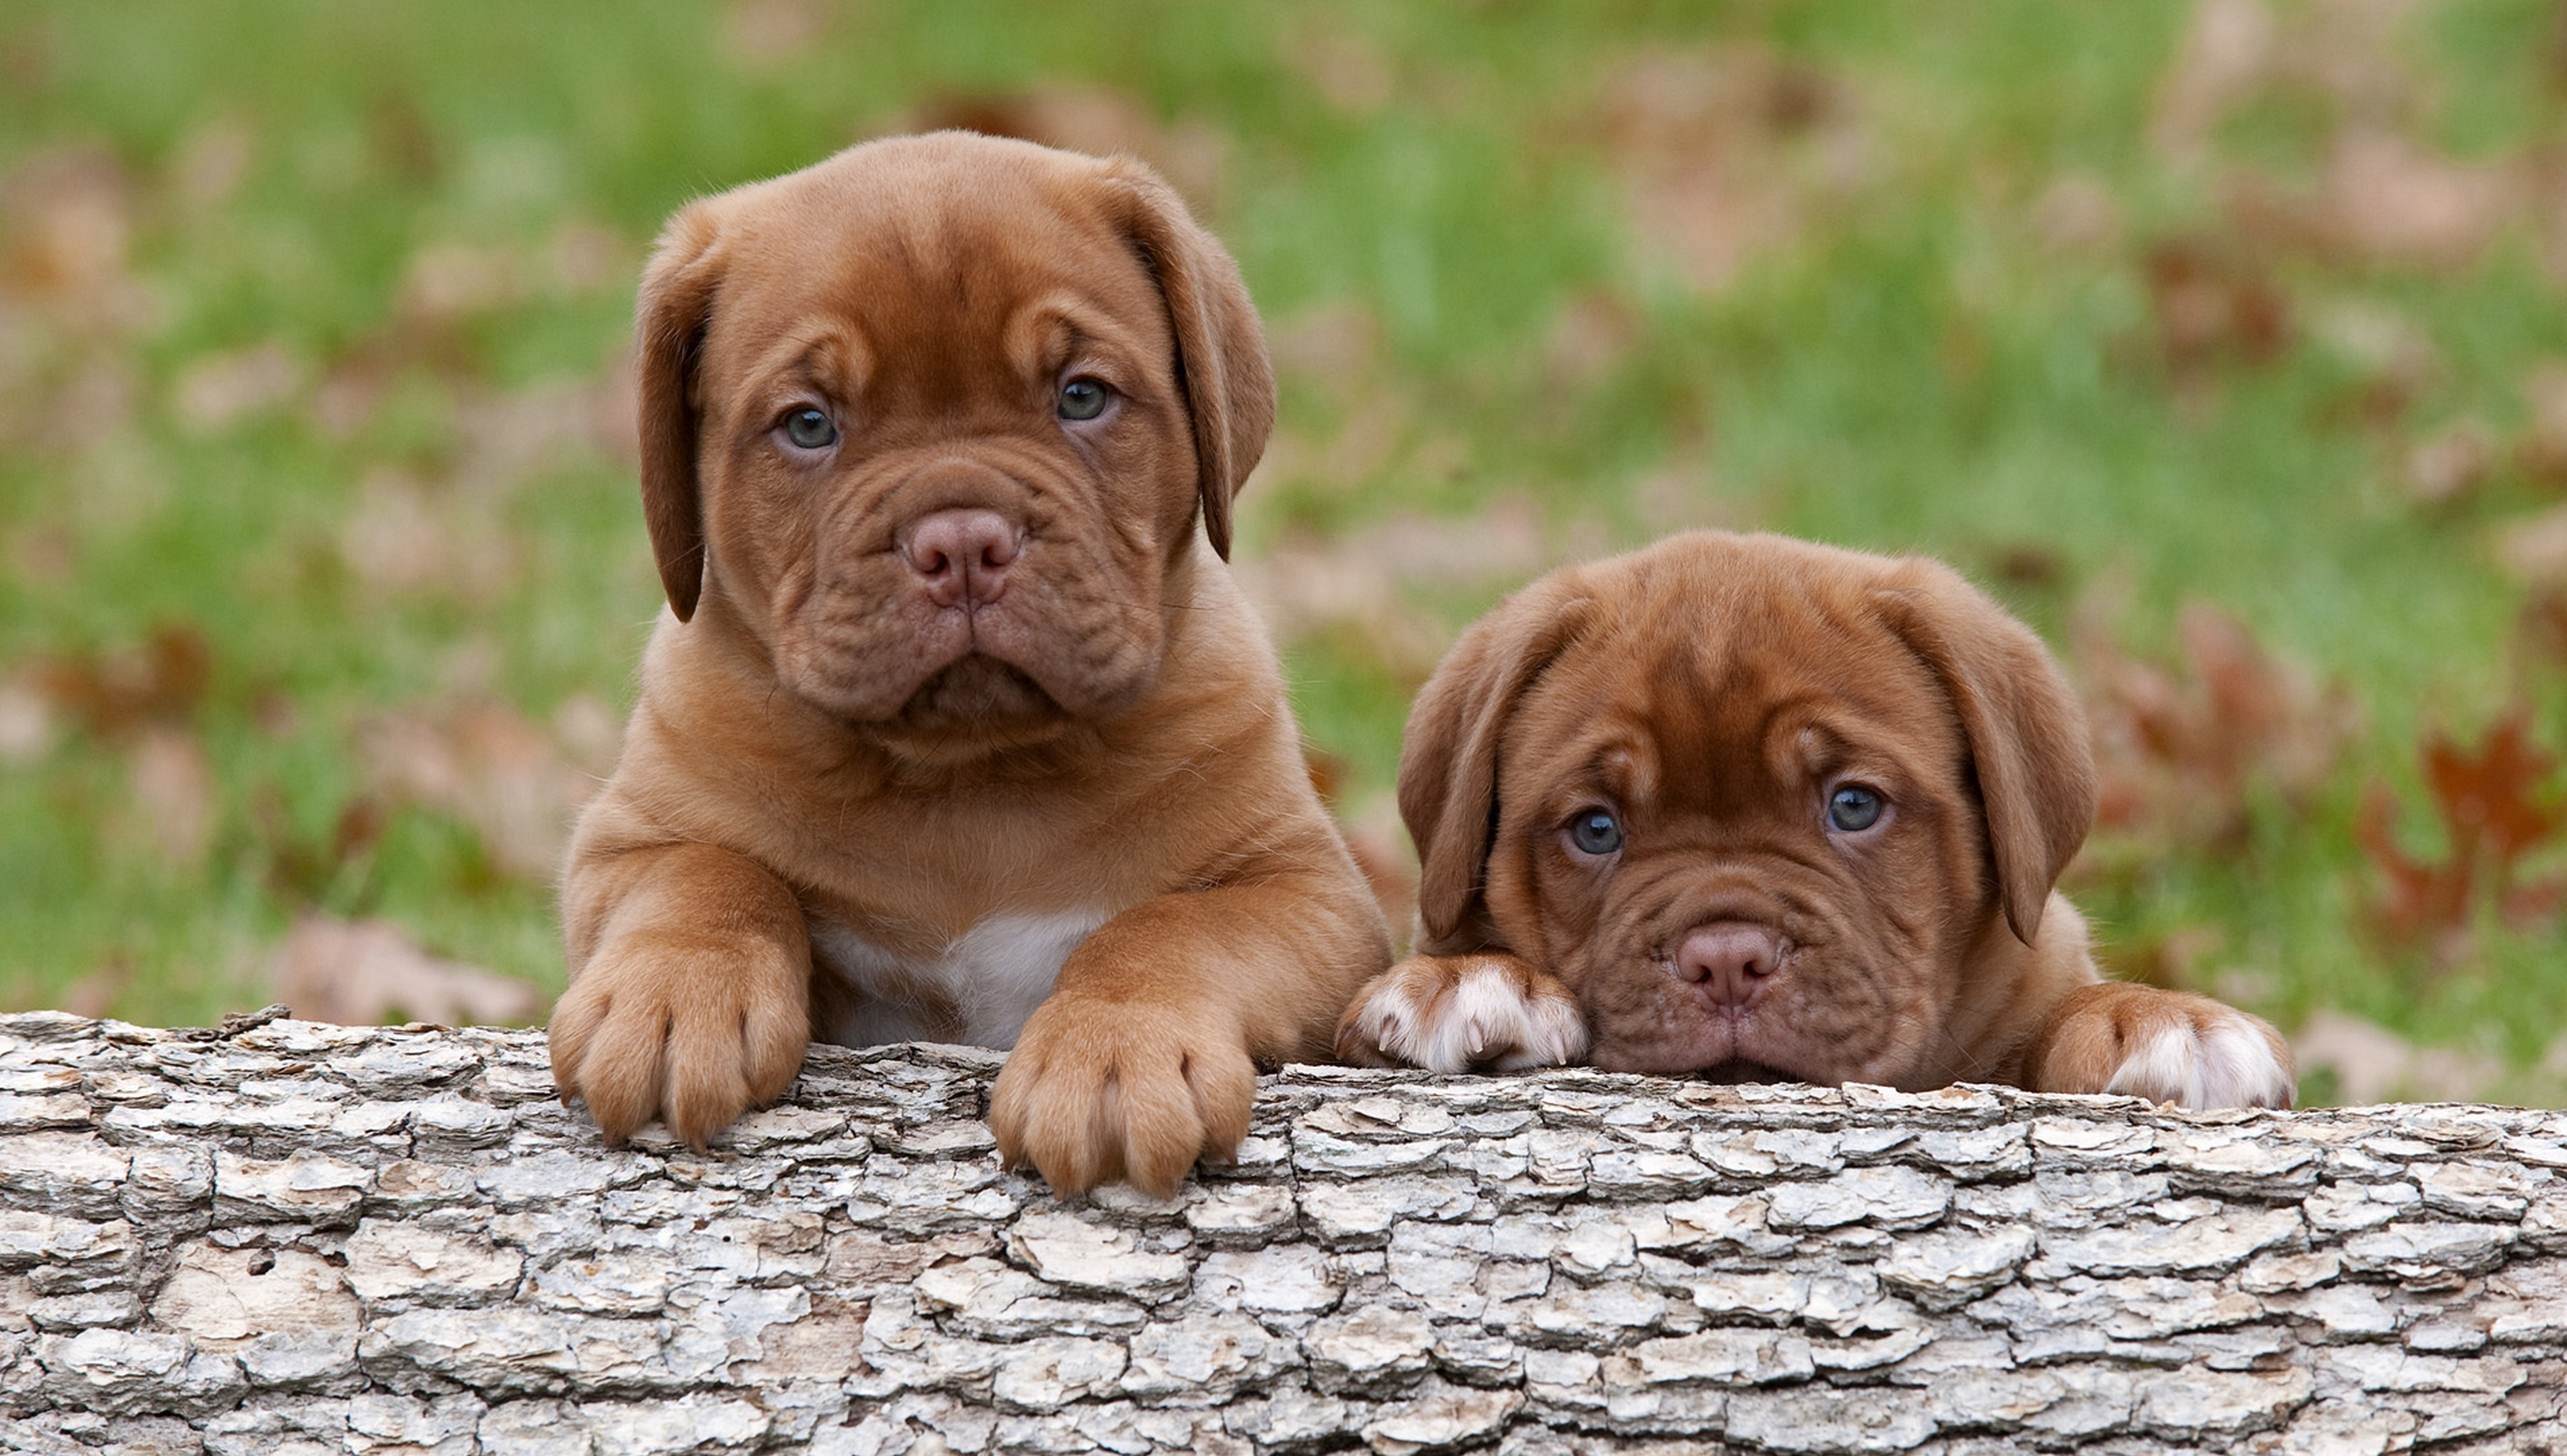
<point>1753,808</point>
<point>956,725</point>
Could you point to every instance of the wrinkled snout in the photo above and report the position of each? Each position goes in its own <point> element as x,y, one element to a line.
<point>1730,961</point>
<point>958,556</point>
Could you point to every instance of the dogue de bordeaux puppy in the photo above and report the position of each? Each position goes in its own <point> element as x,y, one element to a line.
<point>956,725</point>
<point>1747,807</point>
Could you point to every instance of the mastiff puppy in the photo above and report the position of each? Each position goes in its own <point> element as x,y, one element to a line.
<point>1750,808</point>
<point>957,726</point>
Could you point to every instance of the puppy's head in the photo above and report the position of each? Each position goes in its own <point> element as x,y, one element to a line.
<point>931,423</point>
<point>1753,800</point>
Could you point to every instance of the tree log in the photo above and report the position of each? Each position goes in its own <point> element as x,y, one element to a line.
<point>279,1236</point>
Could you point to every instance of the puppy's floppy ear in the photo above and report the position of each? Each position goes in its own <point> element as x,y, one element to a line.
<point>670,319</point>
<point>2027,744</point>
<point>1220,347</point>
<point>1448,758</point>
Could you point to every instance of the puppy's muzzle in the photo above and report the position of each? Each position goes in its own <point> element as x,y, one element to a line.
<point>1731,961</point>
<point>958,556</point>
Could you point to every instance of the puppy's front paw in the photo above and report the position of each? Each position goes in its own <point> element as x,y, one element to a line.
<point>687,1030</point>
<point>2166,1046</point>
<point>1099,1090</point>
<point>1487,1013</point>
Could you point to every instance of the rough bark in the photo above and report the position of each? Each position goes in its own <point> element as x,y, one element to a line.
<point>282,1236</point>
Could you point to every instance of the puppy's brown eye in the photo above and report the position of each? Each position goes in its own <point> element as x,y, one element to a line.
<point>1595,833</point>
<point>1083,399</point>
<point>1853,809</point>
<point>810,428</point>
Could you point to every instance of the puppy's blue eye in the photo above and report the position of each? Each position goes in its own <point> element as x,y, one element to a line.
<point>1853,807</point>
<point>810,428</point>
<point>1083,399</point>
<point>1595,833</point>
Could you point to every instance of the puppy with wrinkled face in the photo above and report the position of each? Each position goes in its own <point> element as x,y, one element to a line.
<point>1751,808</point>
<point>957,726</point>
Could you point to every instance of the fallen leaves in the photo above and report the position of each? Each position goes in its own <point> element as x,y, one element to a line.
<point>2495,809</point>
<point>515,782</point>
<point>1361,581</point>
<point>368,972</point>
<point>1728,156</point>
<point>2369,1063</point>
<point>1191,154</point>
<point>162,679</point>
<point>2183,748</point>
<point>2213,303</point>
<point>220,388</point>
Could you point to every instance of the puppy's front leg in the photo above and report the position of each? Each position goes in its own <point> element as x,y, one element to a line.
<point>690,993</point>
<point>1491,1011</point>
<point>1144,1057</point>
<point>2166,1046</point>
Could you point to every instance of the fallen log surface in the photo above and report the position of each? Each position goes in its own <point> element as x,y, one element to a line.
<point>287,1236</point>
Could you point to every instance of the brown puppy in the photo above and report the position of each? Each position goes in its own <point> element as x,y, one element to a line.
<point>1752,808</point>
<point>957,728</point>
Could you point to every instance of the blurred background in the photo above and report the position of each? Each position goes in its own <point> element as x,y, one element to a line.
<point>2226,341</point>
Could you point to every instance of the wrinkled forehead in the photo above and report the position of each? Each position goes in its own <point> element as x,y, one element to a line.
<point>1725,690</point>
<point>929,250</point>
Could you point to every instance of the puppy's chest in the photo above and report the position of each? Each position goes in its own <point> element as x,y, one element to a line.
<point>978,987</point>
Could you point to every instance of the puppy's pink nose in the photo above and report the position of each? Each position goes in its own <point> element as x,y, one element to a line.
<point>960,556</point>
<point>1730,960</point>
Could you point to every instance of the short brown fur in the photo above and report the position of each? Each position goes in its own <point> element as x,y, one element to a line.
<point>823,756</point>
<point>1712,692</point>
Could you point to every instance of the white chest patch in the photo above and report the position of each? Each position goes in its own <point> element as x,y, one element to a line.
<point>993,977</point>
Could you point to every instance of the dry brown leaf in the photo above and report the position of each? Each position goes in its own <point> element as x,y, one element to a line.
<point>1591,333</point>
<point>97,992</point>
<point>409,538</point>
<point>2225,56</point>
<point>1307,585</point>
<point>2535,550</point>
<point>27,725</point>
<point>219,389</point>
<point>369,972</point>
<point>2371,1064</point>
<point>2446,468</point>
<point>768,31</point>
<point>511,780</point>
<point>2181,748</point>
<point>162,679</point>
<point>1727,155</point>
<point>2391,199</point>
<point>1334,348</point>
<point>2078,214</point>
<point>210,163</point>
<point>65,227</point>
<point>2213,305</point>
<point>506,439</point>
<point>1348,72</point>
<point>2542,451</point>
<point>2495,809</point>
<point>2390,353</point>
<point>1088,119</point>
<point>2350,54</point>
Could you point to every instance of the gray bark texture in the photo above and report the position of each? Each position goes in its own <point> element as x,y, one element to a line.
<point>279,1236</point>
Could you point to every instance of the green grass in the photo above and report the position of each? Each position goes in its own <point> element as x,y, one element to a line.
<point>1918,368</point>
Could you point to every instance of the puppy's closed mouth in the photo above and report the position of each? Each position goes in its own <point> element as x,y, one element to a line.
<point>977,689</point>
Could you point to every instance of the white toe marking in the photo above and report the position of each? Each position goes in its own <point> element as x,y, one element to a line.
<point>1487,1021</point>
<point>2226,1064</point>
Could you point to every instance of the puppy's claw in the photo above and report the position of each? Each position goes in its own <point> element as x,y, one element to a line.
<point>1104,1093</point>
<point>640,1036</point>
